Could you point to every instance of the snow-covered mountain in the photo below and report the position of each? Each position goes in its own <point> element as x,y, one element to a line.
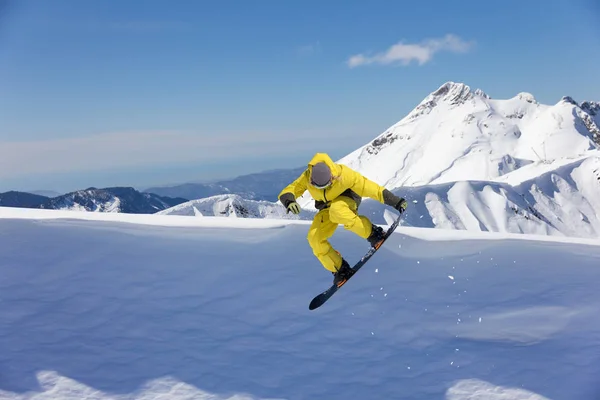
<point>469,162</point>
<point>234,206</point>
<point>457,134</point>
<point>115,199</point>
<point>559,199</point>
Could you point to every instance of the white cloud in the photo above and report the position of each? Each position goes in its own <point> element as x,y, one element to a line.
<point>404,53</point>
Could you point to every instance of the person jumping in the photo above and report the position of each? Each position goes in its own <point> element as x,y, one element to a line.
<point>338,191</point>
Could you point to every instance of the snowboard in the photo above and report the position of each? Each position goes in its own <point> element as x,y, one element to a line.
<point>322,297</point>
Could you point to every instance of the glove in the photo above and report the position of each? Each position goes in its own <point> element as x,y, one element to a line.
<point>391,199</point>
<point>293,207</point>
<point>401,205</point>
<point>289,202</point>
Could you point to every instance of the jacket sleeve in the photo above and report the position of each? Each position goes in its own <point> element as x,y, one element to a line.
<point>294,190</point>
<point>363,186</point>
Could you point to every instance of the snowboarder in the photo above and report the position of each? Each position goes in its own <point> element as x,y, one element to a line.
<point>337,191</point>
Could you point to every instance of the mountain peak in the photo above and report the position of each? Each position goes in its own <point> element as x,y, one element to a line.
<point>451,94</point>
<point>455,93</point>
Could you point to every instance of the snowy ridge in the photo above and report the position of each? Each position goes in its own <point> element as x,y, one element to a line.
<point>175,221</point>
<point>233,206</point>
<point>458,134</point>
<point>86,200</point>
<point>563,200</point>
<point>110,200</point>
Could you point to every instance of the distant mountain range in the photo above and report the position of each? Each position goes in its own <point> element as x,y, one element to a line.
<point>115,199</point>
<point>22,199</point>
<point>258,186</point>
<point>263,186</point>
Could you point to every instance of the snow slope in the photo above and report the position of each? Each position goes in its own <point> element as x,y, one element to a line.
<point>457,134</point>
<point>122,306</point>
<point>234,206</point>
<point>563,200</point>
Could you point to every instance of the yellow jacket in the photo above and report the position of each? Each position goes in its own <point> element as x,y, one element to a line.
<point>346,182</point>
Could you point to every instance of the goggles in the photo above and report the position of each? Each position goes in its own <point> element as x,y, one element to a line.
<point>323,186</point>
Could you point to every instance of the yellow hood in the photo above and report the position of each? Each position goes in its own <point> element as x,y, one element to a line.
<point>324,157</point>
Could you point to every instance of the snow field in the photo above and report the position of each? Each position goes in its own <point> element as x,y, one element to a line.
<point>209,308</point>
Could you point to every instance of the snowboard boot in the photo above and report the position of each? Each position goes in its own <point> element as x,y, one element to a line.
<point>376,236</point>
<point>342,274</point>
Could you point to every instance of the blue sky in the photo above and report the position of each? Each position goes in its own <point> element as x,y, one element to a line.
<point>103,93</point>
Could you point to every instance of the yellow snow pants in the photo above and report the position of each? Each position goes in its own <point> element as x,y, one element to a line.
<point>342,211</point>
